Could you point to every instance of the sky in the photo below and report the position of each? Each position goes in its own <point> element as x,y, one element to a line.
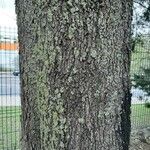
<point>137,12</point>
<point>7,13</point>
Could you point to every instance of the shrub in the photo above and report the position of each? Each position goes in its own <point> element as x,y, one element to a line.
<point>147,104</point>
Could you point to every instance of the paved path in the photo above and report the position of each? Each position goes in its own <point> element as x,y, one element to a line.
<point>9,84</point>
<point>136,100</point>
<point>10,100</point>
<point>10,90</point>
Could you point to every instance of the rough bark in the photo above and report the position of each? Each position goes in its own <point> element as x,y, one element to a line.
<point>75,60</point>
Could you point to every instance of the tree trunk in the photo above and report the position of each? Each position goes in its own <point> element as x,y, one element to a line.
<point>75,60</point>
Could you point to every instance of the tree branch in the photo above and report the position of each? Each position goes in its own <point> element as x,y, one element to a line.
<point>141,4</point>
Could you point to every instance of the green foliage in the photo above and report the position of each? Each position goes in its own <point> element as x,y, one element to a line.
<point>137,40</point>
<point>140,54</point>
<point>141,16</point>
<point>146,5</point>
<point>147,104</point>
<point>143,81</point>
<point>146,14</point>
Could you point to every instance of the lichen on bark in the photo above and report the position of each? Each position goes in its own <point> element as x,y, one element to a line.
<point>75,58</point>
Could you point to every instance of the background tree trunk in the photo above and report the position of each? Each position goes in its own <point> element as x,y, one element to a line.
<point>75,59</point>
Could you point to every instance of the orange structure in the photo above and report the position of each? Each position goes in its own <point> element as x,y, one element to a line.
<point>9,46</point>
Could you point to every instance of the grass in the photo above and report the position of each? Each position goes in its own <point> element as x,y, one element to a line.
<point>140,116</point>
<point>9,128</point>
<point>10,124</point>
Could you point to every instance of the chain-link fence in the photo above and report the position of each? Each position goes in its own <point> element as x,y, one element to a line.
<point>10,89</point>
<point>140,76</point>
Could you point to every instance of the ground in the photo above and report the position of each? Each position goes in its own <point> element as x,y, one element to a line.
<point>140,139</point>
<point>140,135</point>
